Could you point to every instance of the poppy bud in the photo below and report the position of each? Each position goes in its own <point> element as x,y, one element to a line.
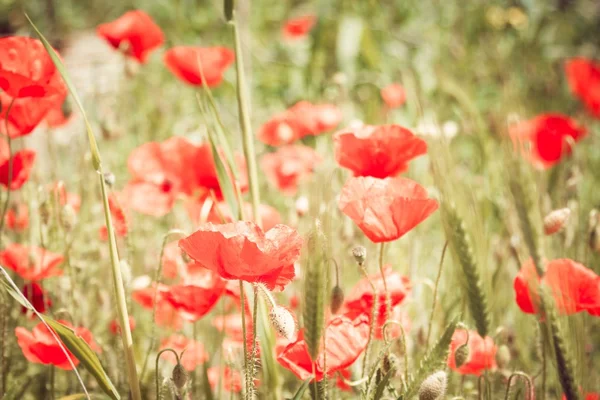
<point>434,387</point>
<point>67,108</point>
<point>44,209</point>
<point>556,220</point>
<point>179,376</point>
<point>461,356</point>
<point>337,299</point>
<point>503,356</point>
<point>109,179</point>
<point>68,217</point>
<point>228,8</point>
<point>283,322</point>
<point>390,361</point>
<point>360,254</point>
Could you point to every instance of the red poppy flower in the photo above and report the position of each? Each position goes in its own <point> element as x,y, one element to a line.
<point>298,28</point>
<point>37,297</point>
<point>243,251</point>
<point>185,62</point>
<point>166,315</point>
<point>193,356</point>
<point>17,217</point>
<point>385,209</point>
<point>545,139</point>
<point>231,325</point>
<point>30,262</point>
<point>119,219</point>
<point>57,117</point>
<point>25,114</point>
<point>22,163</point>
<point>393,95</point>
<point>171,260</point>
<point>135,29</point>
<point>232,379</point>
<point>360,300</point>
<point>63,197</point>
<point>193,301</point>
<point>378,151</point>
<point>574,287</point>
<point>220,213</point>
<point>346,340</point>
<point>40,347</point>
<point>115,327</point>
<point>289,166</point>
<point>482,353</point>
<point>583,76</point>
<point>588,396</point>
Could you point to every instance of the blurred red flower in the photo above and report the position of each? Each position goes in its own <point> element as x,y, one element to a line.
<point>232,379</point>
<point>40,347</point>
<point>22,163</point>
<point>119,219</point>
<point>115,327</point>
<point>289,166</point>
<point>231,325</point>
<point>193,356</point>
<point>166,315</point>
<point>545,139</point>
<point>63,197</point>
<point>185,62</point>
<point>37,296</point>
<point>134,29</point>
<point>171,260</point>
<point>574,287</point>
<point>243,251</point>
<point>482,353</point>
<point>17,217</point>
<point>378,151</point>
<point>346,340</point>
<point>302,119</point>
<point>195,300</point>
<point>31,263</point>
<point>393,95</point>
<point>57,117</point>
<point>588,396</point>
<point>385,209</point>
<point>220,213</point>
<point>360,300</point>
<point>583,76</point>
<point>299,27</point>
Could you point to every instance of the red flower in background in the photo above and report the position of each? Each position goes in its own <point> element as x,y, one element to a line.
<point>299,27</point>
<point>231,325</point>
<point>574,287</point>
<point>115,327</point>
<point>30,262</point>
<point>58,116</point>
<point>546,139</point>
<point>385,209</point>
<point>119,219</point>
<point>302,119</point>
<point>193,356</point>
<point>289,166</point>
<point>171,260</point>
<point>232,379</point>
<point>63,197</point>
<point>195,300</point>
<point>166,315</point>
<point>136,30</point>
<point>393,95</point>
<point>37,297</point>
<point>360,300</point>
<point>588,396</point>
<point>583,76</point>
<point>22,163</point>
<point>40,347</point>
<point>378,151</point>
<point>185,62</point>
<point>220,213</point>
<point>243,251</point>
<point>17,217</point>
<point>482,353</point>
<point>346,340</point>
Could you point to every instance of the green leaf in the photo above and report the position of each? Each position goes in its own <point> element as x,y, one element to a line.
<point>302,389</point>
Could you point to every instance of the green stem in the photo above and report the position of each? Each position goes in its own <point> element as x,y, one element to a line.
<point>253,353</point>
<point>388,300</point>
<point>156,368</point>
<point>435,291</point>
<point>243,302</point>
<point>373,318</point>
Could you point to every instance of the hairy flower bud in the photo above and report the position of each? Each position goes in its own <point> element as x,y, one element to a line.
<point>283,321</point>
<point>337,299</point>
<point>461,355</point>
<point>556,220</point>
<point>360,254</point>
<point>179,376</point>
<point>434,387</point>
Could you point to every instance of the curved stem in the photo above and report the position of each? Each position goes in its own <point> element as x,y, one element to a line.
<point>156,368</point>
<point>435,290</point>
<point>403,337</point>
<point>337,272</point>
<point>267,294</point>
<point>528,384</point>
<point>388,300</point>
<point>10,170</point>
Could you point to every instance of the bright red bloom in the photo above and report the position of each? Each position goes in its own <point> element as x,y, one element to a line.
<point>393,95</point>
<point>482,353</point>
<point>243,251</point>
<point>574,287</point>
<point>360,300</point>
<point>26,113</point>
<point>299,27</point>
<point>161,172</point>
<point>588,396</point>
<point>17,217</point>
<point>193,356</point>
<point>545,139</point>
<point>302,119</point>
<point>220,213</point>
<point>583,76</point>
<point>37,297</point>
<point>346,340</point>
<point>115,327</point>
<point>185,63</point>
<point>378,151</point>
<point>136,30</point>
<point>195,300</point>
<point>232,379</point>
<point>57,117</point>
<point>289,166</point>
<point>30,262</point>
<point>22,163</point>
<point>385,209</point>
<point>40,347</point>
<point>119,219</point>
<point>166,315</point>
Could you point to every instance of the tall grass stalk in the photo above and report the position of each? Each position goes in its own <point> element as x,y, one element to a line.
<point>435,293</point>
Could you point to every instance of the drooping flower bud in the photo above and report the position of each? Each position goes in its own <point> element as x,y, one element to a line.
<point>556,220</point>
<point>337,299</point>
<point>179,376</point>
<point>283,321</point>
<point>434,387</point>
<point>461,355</point>
<point>360,254</point>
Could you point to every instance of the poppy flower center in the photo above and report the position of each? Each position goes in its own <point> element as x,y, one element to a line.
<point>284,132</point>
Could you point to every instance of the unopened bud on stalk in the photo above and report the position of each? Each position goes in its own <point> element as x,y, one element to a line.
<point>109,179</point>
<point>390,361</point>
<point>44,210</point>
<point>228,8</point>
<point>503,356</point>
<point>461,355</point>
<point>556,220</point>
<point>360,254</point>
<point>337,299</point>
<point>283,322</point>
<point>179,376</point>
<point>434,387</point>
<point>68,217</point>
